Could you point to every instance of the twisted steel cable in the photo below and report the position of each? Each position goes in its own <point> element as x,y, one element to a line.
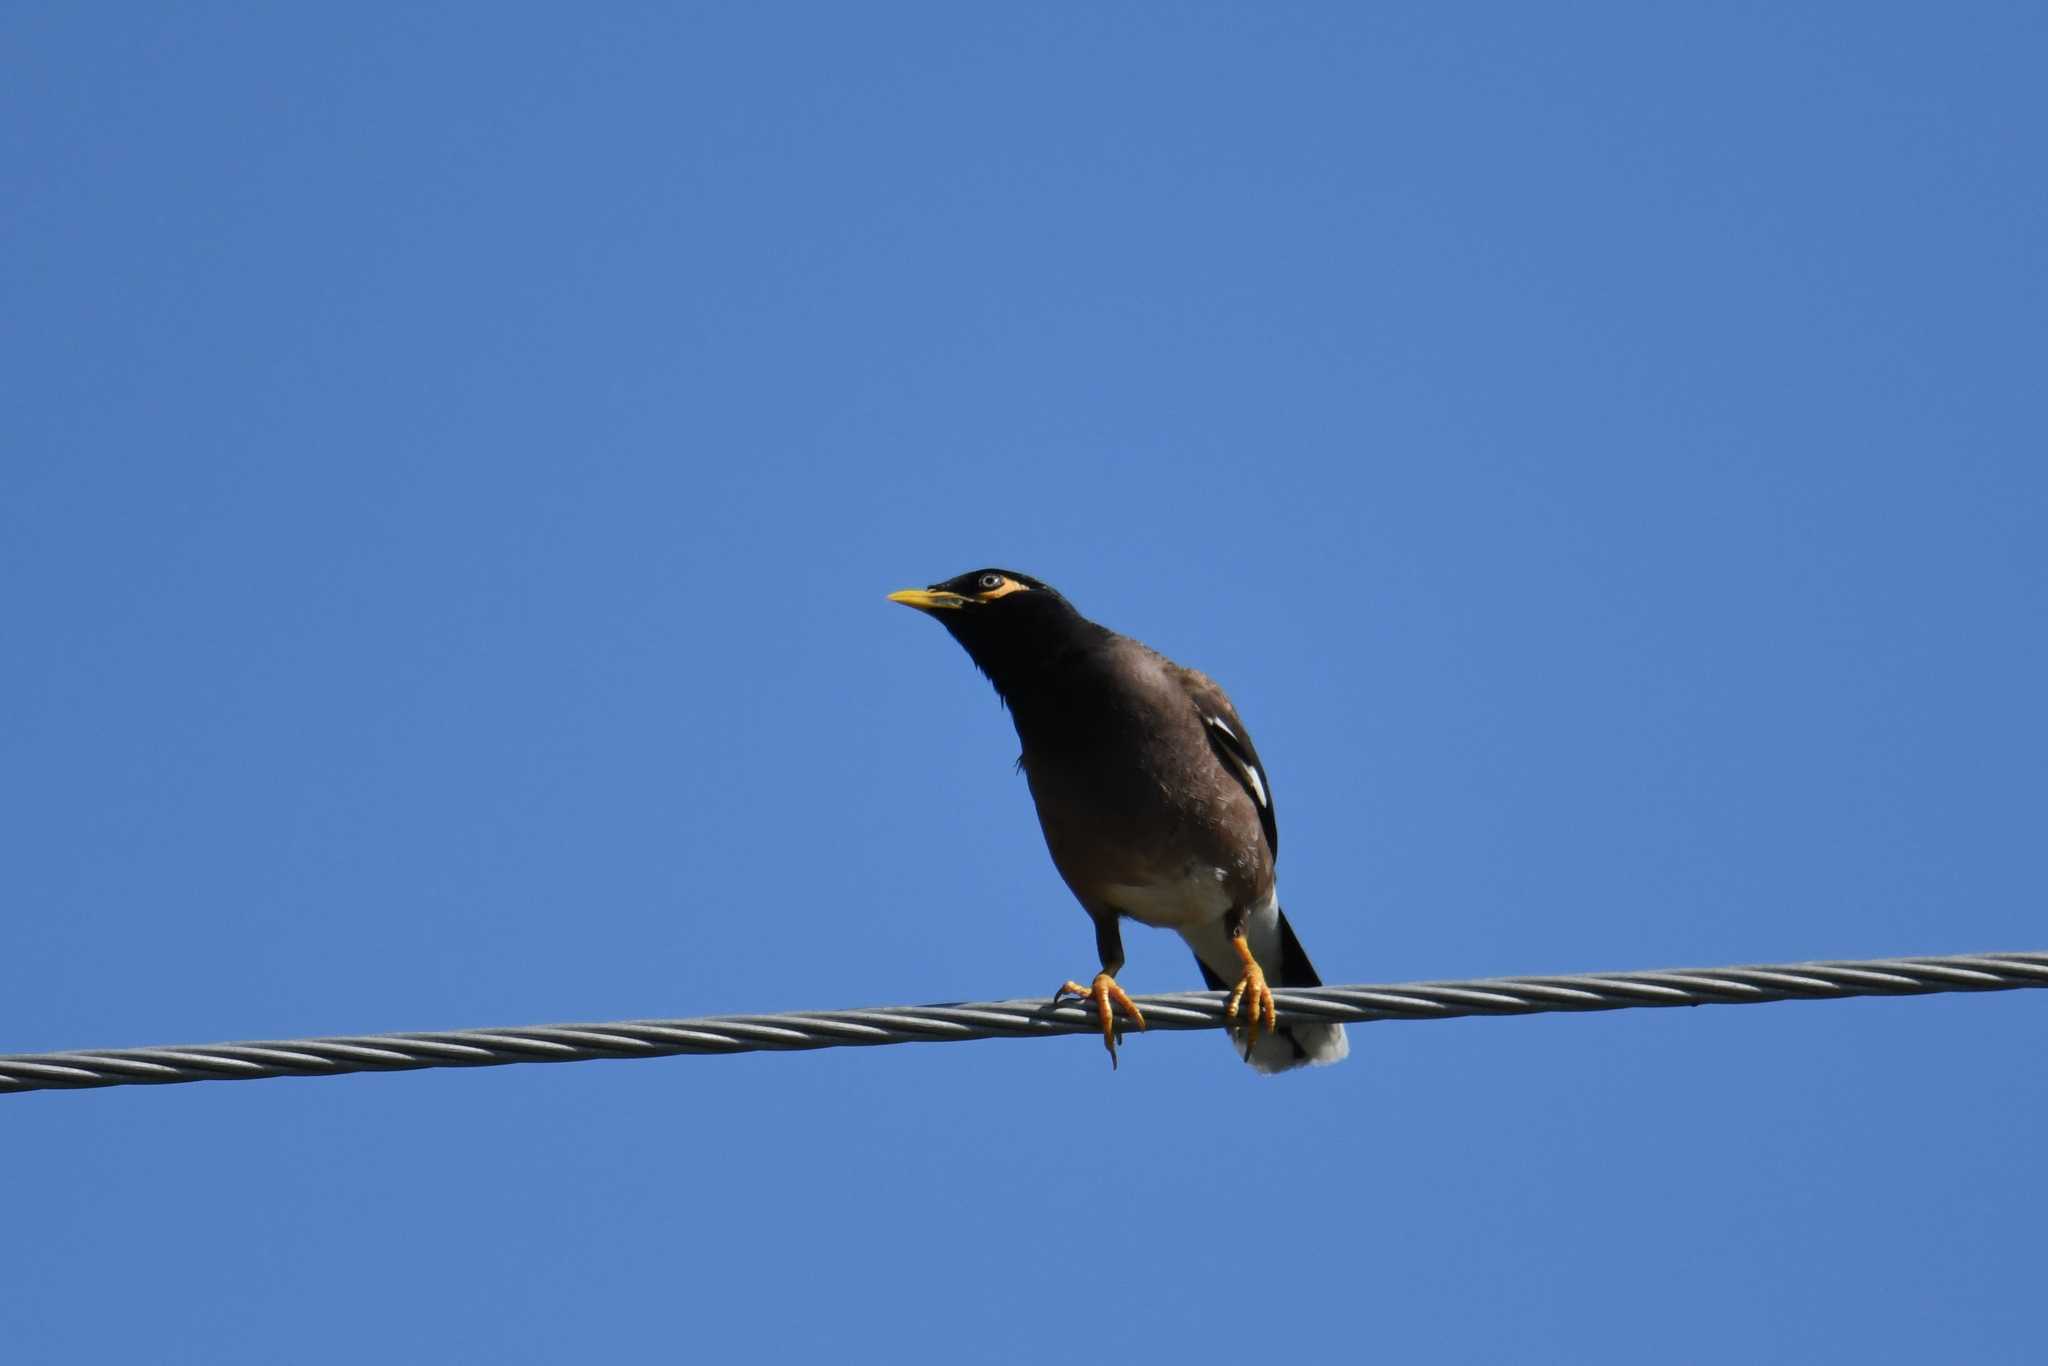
<point>1031,1017</point>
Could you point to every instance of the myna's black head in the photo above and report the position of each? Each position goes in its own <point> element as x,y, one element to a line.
<point>1010,624</point>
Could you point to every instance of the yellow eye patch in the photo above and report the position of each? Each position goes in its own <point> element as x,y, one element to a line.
<point>1002,590</point>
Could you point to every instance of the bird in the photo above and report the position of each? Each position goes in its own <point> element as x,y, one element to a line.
<point>1153,801</point>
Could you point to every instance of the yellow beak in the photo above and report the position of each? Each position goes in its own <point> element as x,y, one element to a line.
<point>925,600</point>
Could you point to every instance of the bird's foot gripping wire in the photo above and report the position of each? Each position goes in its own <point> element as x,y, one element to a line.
<point>1108,998</point>
<point>1254,995</point>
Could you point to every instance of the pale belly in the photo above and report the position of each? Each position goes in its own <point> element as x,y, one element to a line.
<point>1198,897</point>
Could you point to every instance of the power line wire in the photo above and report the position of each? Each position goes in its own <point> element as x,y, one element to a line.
<point>1032,1017</point>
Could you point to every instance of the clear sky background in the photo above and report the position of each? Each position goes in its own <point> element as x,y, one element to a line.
<point>451,462</point>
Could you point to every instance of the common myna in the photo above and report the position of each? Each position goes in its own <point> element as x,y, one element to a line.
<point>1152,800</point>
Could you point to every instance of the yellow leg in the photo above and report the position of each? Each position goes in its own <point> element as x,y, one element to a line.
<point>1253,993</point>
<point>1108,998</point>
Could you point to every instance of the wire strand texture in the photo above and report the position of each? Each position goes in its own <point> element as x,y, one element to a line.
<point>1033,1017</point>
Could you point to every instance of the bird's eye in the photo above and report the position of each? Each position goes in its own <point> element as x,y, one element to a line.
<point>990,582</point>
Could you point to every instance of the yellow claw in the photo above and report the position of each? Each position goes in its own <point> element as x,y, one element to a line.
<point>1251,990</point>
<point>1108,998</point>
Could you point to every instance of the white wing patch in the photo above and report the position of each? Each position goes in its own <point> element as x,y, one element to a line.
<point>1234,750</point>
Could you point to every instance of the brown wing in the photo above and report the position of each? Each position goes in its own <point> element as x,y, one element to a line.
<point>1233,745</point>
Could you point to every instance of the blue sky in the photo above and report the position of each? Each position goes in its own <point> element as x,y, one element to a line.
<point>454,460</point>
